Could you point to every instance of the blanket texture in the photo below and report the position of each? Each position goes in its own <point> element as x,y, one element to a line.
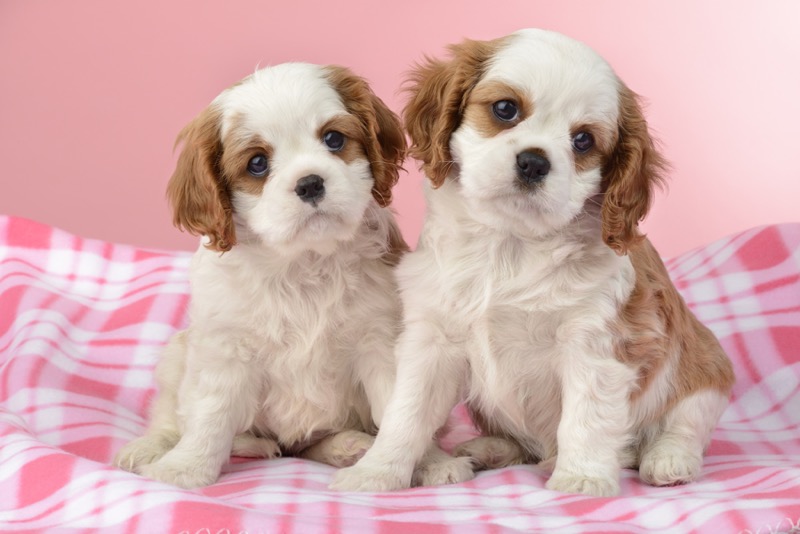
<point>82,323</point>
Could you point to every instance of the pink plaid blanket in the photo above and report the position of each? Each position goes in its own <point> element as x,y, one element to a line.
<point>82,323</point>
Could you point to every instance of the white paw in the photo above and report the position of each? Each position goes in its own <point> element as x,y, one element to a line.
<point>249,446</point>
<point>180,473</point>
<point>663,467</point>
<point>348,447</point>
<point>448,471</point>
<point>143,451</point>
<point>367,478</point>
<point>488,452</point>
<point>567,482</point>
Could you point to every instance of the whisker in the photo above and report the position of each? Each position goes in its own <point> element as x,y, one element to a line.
<point>595,202</point>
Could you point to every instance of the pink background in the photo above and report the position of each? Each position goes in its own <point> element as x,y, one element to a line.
<point>92,94</point>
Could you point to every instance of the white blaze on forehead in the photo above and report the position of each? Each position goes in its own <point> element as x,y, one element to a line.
<point>275,101</point>
<point>560,75</point>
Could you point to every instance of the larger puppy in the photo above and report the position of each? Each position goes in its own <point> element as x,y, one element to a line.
<point>532,292</point>
<point>293,313</point>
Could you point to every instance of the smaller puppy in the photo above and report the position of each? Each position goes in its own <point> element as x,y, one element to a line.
<point>294,312</point>
<point>532,292</point>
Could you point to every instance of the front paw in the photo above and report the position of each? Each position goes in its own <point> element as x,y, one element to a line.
<point>448,471</point>
<point>368,478</point>
<point>669,467</point>
<point>179,473</point>
<point>567,482</point>
<point>143,451</point>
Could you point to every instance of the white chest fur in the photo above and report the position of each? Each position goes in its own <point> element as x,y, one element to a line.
<point>517,306</point>
<point>301,322</point>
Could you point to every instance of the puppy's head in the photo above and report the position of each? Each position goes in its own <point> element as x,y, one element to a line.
<point>535,127</point>
<point>293,155</point>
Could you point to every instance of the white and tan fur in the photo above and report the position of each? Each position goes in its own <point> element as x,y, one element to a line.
<point>294,308</point>
<point>538,301</point>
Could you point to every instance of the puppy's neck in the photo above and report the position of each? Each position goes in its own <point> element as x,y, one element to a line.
<point>369,241</point>
<point>452,211</point>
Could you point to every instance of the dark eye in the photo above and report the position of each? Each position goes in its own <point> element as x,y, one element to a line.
<point>505,110</point>
<point>334,141</point>
<point>258,166</point>
<point>583,141</point>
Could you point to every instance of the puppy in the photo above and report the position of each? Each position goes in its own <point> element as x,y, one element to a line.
<point>294,312</point>
<point>532,292</point>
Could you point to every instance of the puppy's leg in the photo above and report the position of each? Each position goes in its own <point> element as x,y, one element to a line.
<point>377,373</point>
<point>375,367</point>
<point>490,452</point>
<point>675,455</point>
<point>219,393</point>
<point>594,426</point>
<point>340,450</point>
<point>437,467</point>
<point>162,432</point>
<point>375,370</point>
<point>247,445</point>
<point>430,371</point>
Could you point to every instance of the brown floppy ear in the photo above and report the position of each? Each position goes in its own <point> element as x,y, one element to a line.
<point>199,197</point>
<point>439,92</point>
<point>383,137</point>
<point>630,176</point>
<point>389,150</point>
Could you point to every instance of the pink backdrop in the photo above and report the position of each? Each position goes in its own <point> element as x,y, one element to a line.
<point>92,94</point>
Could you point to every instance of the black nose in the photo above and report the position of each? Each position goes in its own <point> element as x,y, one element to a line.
<point>310,188</point>
<point>532,167</point>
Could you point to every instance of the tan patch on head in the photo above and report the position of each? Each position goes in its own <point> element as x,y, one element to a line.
<point>439,91</point>
<point>238,148</point>
<point>380,132</point>
<point>351,128</point>
<point>604,140</point>
<point>656,327</point>
<point>234,166</point>
<point>479,114</point>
